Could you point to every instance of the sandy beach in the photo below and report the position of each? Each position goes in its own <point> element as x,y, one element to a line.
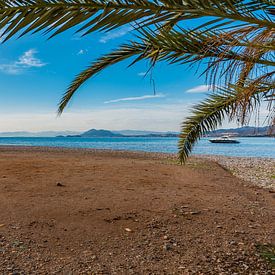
<point>66,211</point>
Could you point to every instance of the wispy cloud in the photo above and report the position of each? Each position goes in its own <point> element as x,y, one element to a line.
<point>141,73</point>
<point>28,59</point>
<point>199,89</point>
<point>25,61</point>
<point>134,98</point>
<point>114,34</point>
<point>82,51</point>
<point>153,117</point>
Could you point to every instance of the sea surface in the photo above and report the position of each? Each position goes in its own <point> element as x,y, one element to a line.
<point>248,147</point>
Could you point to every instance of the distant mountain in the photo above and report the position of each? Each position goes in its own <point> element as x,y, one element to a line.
<point>123,133</point>
<point>38,134</point>
<point>246,131</point>
<point>143,133</point>
<point>100,133</point>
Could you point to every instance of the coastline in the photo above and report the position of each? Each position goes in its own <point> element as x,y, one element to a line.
<point>259,171</point>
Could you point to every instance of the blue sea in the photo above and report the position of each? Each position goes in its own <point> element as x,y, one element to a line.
<point>248,147</point>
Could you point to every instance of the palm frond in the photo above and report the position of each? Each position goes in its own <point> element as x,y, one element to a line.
<point>124,52</point>
<point>250,42</point>
<point>173,47</point>
<point>210,113</point>
<point>57,16</point>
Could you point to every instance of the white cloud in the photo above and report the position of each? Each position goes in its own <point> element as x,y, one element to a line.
<point>10,68</point>
<point>82,51</point>
<point>142,74</point>
<point>25,61</point>
<point>153,117</point>
<point>199,89</point>
<point>114,34</point>
<point>28,59</point>
<point>134,98</point>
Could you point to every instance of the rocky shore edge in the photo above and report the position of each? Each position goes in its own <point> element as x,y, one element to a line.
<point>258,171</point>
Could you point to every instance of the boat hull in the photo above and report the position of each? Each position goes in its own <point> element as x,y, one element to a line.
<point>224,141</point>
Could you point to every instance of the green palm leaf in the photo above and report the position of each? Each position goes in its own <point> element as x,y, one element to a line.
<point>59,15</point>
<point>124,52</point>
<point>210,113</point>
<point>172,47</point>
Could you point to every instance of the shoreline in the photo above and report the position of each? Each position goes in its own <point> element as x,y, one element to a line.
<point>258,171</point>
<point>136,152</point>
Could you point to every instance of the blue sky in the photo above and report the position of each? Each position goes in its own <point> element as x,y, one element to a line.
<point>34,73</point>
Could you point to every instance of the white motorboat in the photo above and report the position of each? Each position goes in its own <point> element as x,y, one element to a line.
<point>224,139</point>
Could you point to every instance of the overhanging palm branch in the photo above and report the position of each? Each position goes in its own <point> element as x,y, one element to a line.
<point>182,47</point>
<point>209,114</point>
<point>57,16</point>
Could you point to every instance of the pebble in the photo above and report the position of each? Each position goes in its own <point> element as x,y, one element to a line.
<point>59,184</point>
<point>195,212</point>
<point>257,171</point>
<point>167,247</point>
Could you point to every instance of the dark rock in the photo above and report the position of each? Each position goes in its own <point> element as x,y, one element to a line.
<point>59,184</point>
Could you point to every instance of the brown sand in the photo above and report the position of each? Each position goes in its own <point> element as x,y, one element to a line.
<point>103,212</point>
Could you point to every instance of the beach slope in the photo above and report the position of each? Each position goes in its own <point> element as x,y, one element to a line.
<point>102,212</point>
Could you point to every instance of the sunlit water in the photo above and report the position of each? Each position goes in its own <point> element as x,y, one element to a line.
<point>248,147</point>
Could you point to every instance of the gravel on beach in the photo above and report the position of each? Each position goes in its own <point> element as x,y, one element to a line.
<point>259,171</point>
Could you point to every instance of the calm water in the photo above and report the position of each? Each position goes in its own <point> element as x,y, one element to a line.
<point>248,147</point>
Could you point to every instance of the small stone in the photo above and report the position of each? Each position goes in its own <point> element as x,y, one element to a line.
<point>59,184</point>
<point>167,247</point>
<point>195,212</point>
<point>128,229</point>
<point>2,225</point>
<point>219,226</point>
<point>165,237</point>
